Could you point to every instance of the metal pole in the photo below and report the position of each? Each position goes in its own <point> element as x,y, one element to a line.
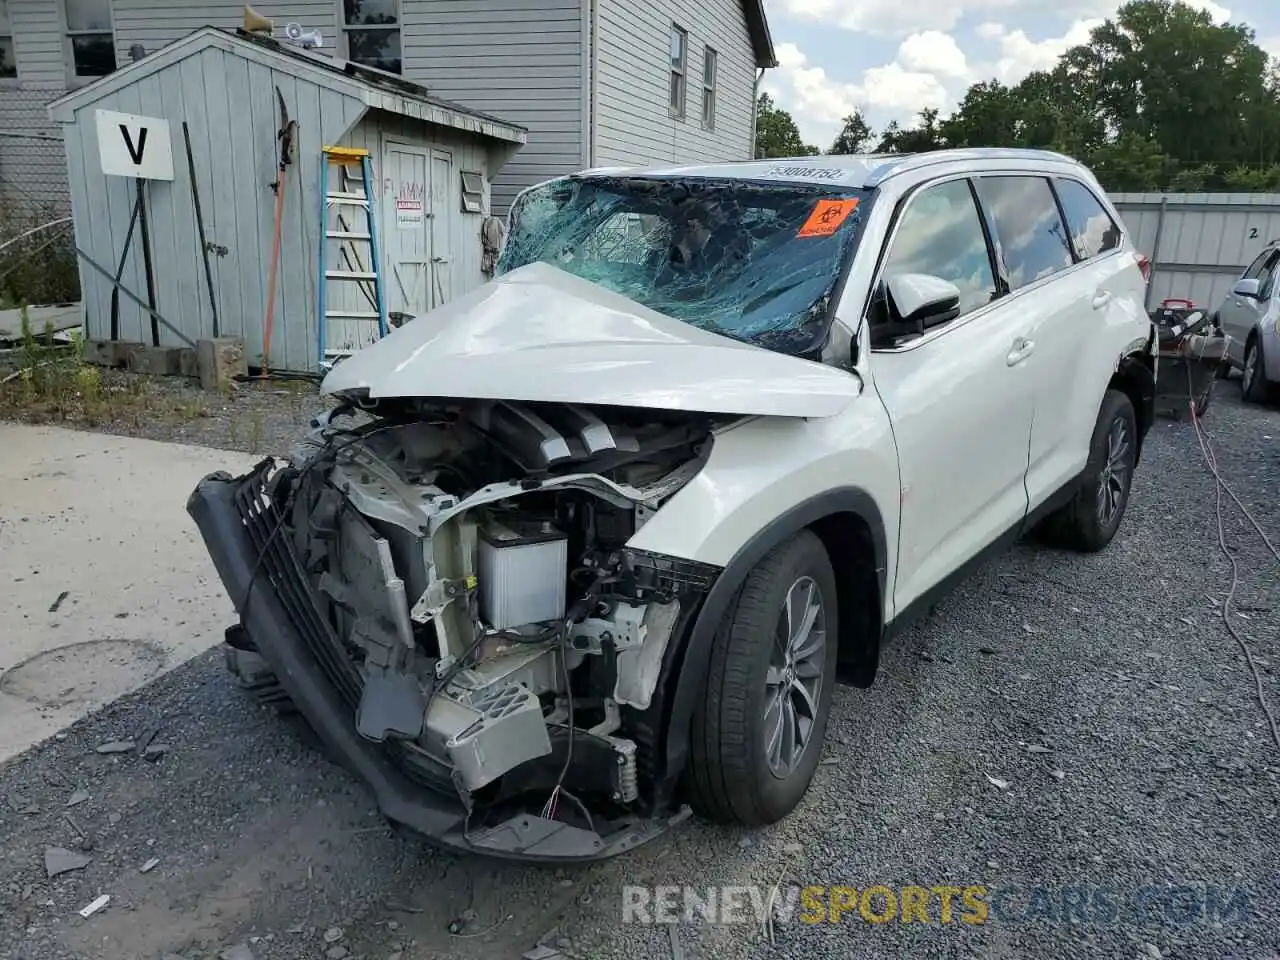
<point>124,255</point>
<point>1155,250</point>
<point>146,263</point>
<point>155,317</point>
<point>204,244</point>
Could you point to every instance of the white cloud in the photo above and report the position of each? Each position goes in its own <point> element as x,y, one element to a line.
<point>890,17</point>
<point>1019,55</point>
<point>933,52</point>
<point>819,103</point>
<point>900,17</point>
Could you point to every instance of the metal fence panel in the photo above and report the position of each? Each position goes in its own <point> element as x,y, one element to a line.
<point>1199,243</point>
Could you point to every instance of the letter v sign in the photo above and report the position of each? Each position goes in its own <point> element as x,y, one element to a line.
<point>134,152</point>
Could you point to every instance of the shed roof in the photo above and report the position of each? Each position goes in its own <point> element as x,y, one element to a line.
<point>376,89</point>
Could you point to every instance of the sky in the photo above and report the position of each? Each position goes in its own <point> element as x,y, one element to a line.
<point>892,58</point>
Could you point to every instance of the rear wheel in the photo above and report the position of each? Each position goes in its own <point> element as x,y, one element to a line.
<point>1092,517</point>
<point>758,731</point>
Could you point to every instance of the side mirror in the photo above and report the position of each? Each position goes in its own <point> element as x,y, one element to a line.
<point>1250,288</point>
<point>919,302</point>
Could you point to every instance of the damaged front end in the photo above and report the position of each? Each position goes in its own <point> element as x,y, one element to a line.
<point>446,593</point>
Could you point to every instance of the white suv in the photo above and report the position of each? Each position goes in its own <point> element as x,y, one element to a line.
<point>610,527</point>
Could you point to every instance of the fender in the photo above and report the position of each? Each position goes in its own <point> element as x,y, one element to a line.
<point>687,667</point>
<point>1137,371</point>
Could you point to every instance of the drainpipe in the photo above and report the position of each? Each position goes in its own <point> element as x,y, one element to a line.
<point>755,110</point>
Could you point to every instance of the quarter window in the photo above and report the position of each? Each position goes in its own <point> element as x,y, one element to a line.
<point>1093,232</point>
<point>940,234</point>
<point>1027,227</point>
<point>372,30</point>
<point>93,48</point>
<point>679,69</point>
<point>8,66</point>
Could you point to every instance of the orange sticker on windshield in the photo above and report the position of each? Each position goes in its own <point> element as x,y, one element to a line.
<point>826,217</point>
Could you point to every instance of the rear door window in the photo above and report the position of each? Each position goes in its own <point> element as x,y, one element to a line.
<point>1028,229</point>
<point>1092,230</point>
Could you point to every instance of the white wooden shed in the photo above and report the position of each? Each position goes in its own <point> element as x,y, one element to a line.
<point>432,164</point>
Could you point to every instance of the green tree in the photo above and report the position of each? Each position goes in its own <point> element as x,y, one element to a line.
<point>854,137</point>
<point>926,135</point>
<point>777,134</point>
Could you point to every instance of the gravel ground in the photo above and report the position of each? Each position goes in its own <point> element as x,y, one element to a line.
<point>1103,693</point>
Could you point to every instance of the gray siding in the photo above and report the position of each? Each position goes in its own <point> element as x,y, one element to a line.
<point>521,60</point>
<point>1205,239</point>
<point>33,175</point>
<point>157,24</point>
<point>633,121</point>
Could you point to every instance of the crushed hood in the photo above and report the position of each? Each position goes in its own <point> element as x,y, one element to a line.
<point>539,334</point>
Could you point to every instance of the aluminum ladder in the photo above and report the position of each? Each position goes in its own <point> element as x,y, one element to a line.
<point>345,196</point>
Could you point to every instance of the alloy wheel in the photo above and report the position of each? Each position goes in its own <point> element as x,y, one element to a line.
<point>793,683</point>
<point>1114,479</point>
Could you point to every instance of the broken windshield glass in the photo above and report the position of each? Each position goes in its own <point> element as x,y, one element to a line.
<point>754,261</point>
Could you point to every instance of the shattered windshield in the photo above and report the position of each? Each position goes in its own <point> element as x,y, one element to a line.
<point>758,262</point>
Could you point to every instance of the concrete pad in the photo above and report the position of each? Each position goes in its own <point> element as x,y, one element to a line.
<point>105,579</point>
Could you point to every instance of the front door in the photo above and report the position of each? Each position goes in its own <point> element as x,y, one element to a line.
<point>406,225</point>
<point>960,399</point>
<point>1239,315</point>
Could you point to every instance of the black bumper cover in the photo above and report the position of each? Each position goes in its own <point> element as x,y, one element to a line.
<point>278,611</point>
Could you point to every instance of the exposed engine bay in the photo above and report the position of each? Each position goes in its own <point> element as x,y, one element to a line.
<point>496,633</point>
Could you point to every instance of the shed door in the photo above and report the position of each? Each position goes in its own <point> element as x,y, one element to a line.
<point>406,228</point>
<point>444,213</point>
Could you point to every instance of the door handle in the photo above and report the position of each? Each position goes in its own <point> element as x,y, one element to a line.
<point>1022,348</point>
<point>1101,299</point>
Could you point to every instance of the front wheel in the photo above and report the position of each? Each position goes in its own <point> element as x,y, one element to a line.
<point>758,731</point>
<point>1090,520</point>
<point>1253,379</point>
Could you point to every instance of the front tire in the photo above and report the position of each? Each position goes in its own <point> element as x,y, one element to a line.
<point>1090,520</point>
<point>758,731</point>
<point>1253,380</point>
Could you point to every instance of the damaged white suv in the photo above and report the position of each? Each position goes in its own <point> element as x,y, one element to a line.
<point>604,533</point>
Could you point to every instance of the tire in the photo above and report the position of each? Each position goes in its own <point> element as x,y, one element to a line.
<point>1083,524</point>
<point>1253,380</point>
<point>732,777</point>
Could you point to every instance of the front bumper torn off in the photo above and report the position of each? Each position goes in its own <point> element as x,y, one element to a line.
<point>277,610</point>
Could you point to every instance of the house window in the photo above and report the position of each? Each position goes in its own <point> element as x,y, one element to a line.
<point>8,66</point>
<point>709,89</point>
<point>93,48</point>
<point>372,29</point>
<point>679,64</point>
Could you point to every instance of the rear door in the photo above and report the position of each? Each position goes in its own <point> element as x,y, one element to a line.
<point>959,398</point>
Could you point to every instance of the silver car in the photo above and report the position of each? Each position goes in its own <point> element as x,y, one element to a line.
<point>1250,315</point>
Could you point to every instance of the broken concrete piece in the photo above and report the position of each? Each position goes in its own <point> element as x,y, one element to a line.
<point>220,361</point>
<point>80,796</point>
<point>156,361</point>
<point>94,907</point>
<point>117,746</point>
<point>155,751</point>
<point>59,860</point>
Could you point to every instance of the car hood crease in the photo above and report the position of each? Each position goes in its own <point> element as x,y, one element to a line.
<point>539,334</point>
